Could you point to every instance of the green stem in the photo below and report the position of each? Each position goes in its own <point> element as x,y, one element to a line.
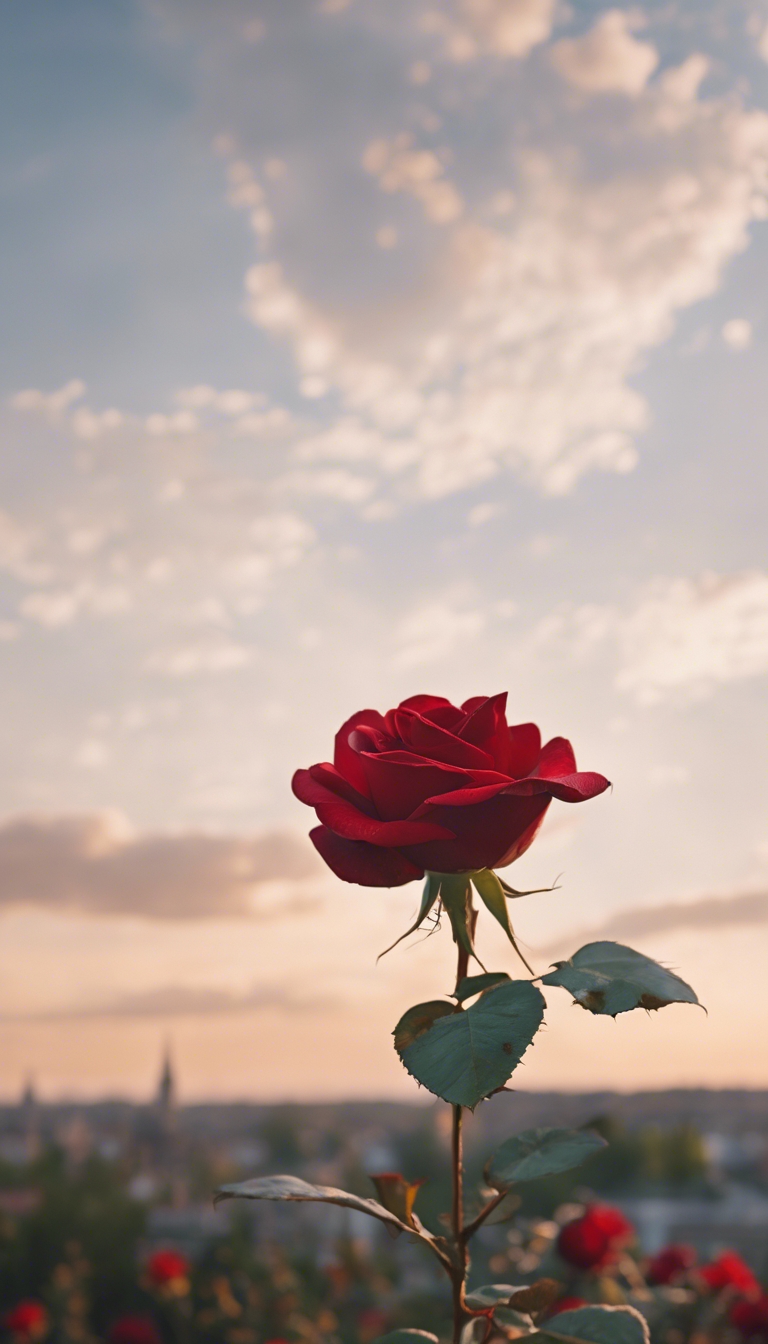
<point>457,1223</point>
<point>459,1274</point>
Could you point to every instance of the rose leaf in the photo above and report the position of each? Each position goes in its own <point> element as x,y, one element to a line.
<point>293,1188</point>
<point>406,1336</point>
<point>595,1325</point>
<point>477,984</point>
<point>540,1152</point>
<point>465,1055</point>
<point>608,978</point>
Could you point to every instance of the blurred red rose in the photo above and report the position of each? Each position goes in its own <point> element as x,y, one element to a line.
<point>428,786</point>
<point>566,1304</point>
<point>28,1319</point>
<point>164,1267</point>
<point>669,1265</point>
<point>134,1330</point>
<point>751,1318</point>
<point>371,1323</point>
<point>730,1271</point>
<point>594,1240</point>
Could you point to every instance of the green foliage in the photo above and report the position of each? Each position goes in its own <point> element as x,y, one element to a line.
<point>86,1210</point>
<point>406,1337</point>
<point>597,1325</point>
<point>491,1295</point>
<point>279,1130</point>
<point>466,1055</point>
<point>648,1159</point>
<point>456,896</point>
<point>476,984</point>
<point>540,1152</point>
<point>292,1188</point>
<point>608,978</point>
<point>429,895</point>
<point>491,893</point>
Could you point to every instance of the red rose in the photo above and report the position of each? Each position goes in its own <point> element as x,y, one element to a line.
<point>592,1241</point>
<point>134,1330</point>
<point>432,787</point>
<point>730,1271</point>
<point>371,1323</point>
<point>165,1267</point>
<point>751,1318</point>
<point>29,1319</point>
<point>670,1264</point>
<point>565,1304</point>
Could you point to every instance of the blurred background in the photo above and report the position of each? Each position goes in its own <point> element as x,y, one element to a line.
<point>354,349</point>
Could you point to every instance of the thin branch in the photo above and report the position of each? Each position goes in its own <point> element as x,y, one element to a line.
<point>470,1229</point>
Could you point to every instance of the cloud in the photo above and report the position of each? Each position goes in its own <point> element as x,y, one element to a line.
<point>191,660</point>
<point>54,607</point>
<point>693,634</point>
<point>51,404</point>
<point>680,636</point>
<point>146,523</point>
<point>181,1001</point>
<point>709,912</point>
<point>527,329</point>
<point>435,628</point>
<point>397,166</point>
<point>97,864</point>
<point>506,28</point>
<point>737,333</point>
<point>201,407</point>
<point>607,59</point>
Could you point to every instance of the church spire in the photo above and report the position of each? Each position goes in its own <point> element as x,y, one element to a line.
<point>166,1092</point>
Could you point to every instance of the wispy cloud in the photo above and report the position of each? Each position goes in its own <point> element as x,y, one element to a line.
<point>709,912</point>
<point>97,864</point>
<point>678,637</point>
<point>180,1001</point>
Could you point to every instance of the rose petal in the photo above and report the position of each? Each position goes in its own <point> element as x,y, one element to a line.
<point>345,758</point>
<point>371,739</point>
<point>399,782</point>
<point>428,739</point>
<point>524,749</point>
<point>487,727</point>
<point>328,775</point>
<point>345,819</point>
<point>556,759</point>
<point>470,797</point>
<point>469,706</point>
<point>578,788</point>
<point>523,841</point>
<point>364,864</point>
<point>434,708</point>
<point>485,833</point>
<point>423,703</point>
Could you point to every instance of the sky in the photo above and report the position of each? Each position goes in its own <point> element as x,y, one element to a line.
<point>354,349</point>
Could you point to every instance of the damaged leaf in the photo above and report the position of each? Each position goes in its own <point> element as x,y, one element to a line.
<point>608,978</point>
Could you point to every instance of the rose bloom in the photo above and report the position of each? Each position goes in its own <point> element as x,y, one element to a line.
<point>751,1318</point>
<point>164,1267</point>
<point>730,1271</point>
<point>28,1319</point>
<point>593,1241</point>
<point>669,1265</point>
<point>428,786</point>
<point>566,1304</point>
<point>134,1330</point>
<point>371,1323</point>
